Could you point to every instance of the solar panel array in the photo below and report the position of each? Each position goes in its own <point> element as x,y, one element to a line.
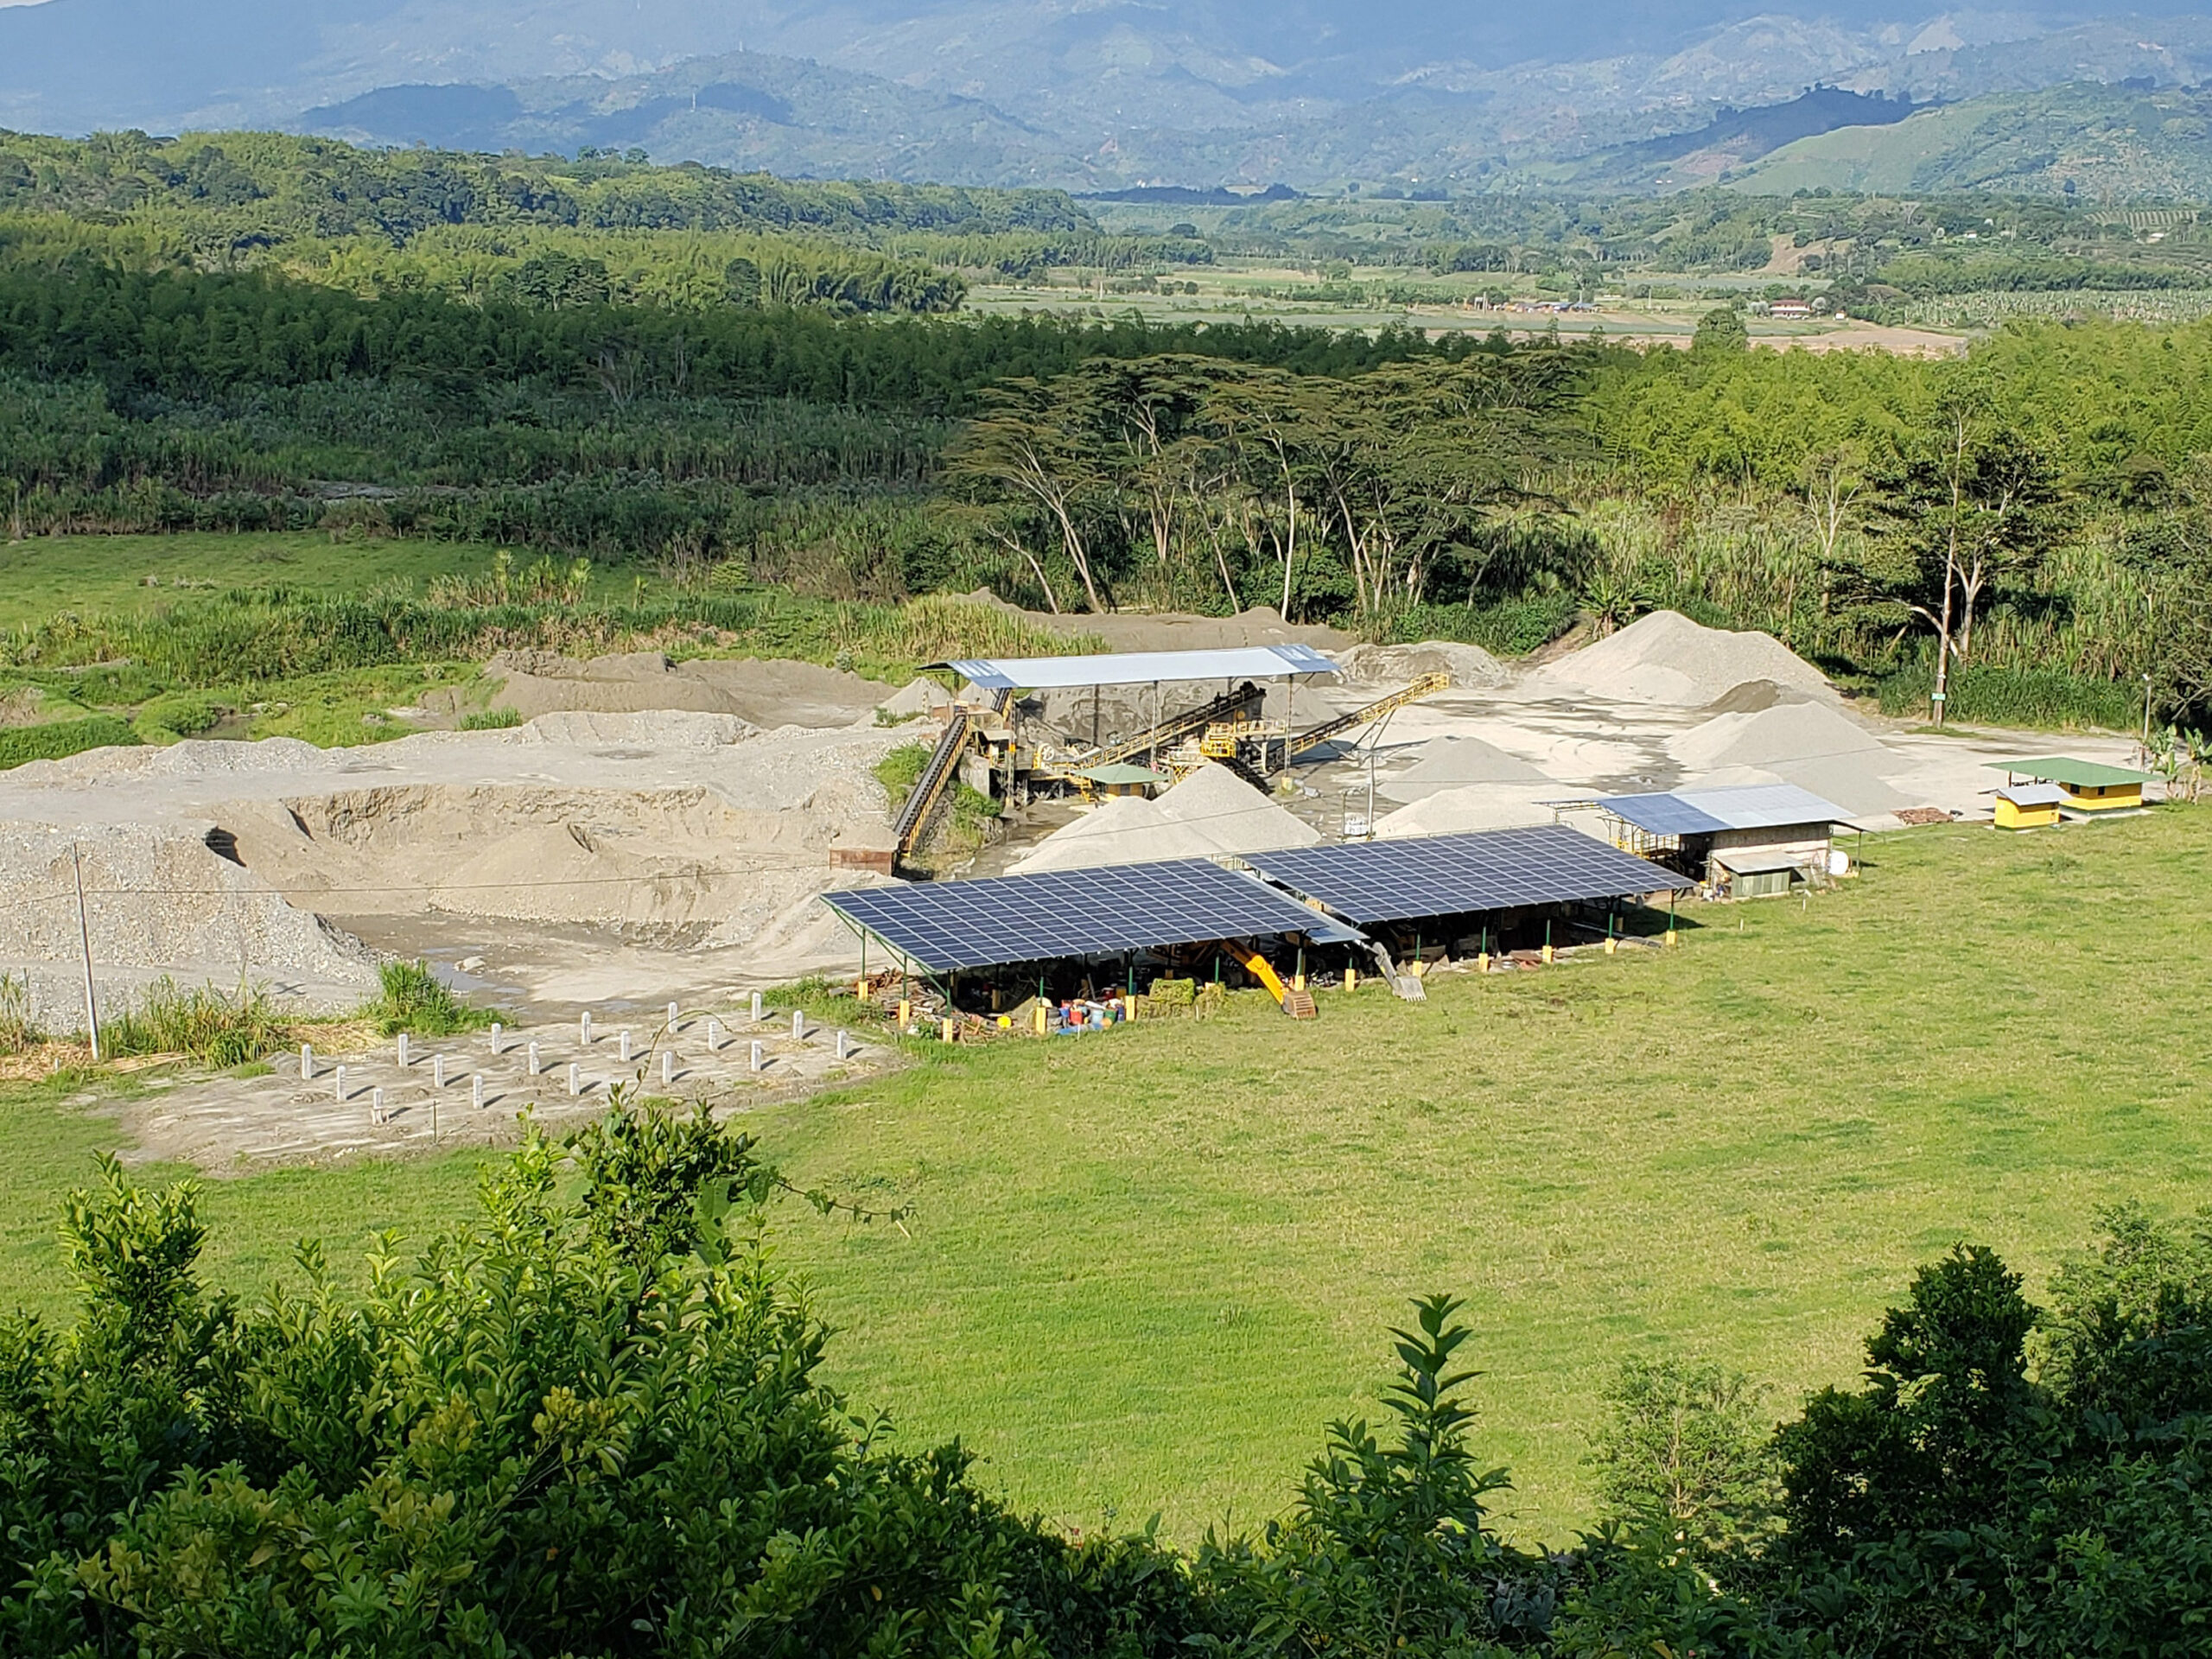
<point>946,925</point>
<point>1445,875</point>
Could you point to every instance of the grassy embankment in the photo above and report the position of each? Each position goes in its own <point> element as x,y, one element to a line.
<point>335,641</point>
<point>1144,1269</point>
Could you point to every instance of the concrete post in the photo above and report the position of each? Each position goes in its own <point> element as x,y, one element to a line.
<point>798,1026</point>
<point>667,1065</point>
<point>437,1071</point>
<point>476,1090</point>
<point>534,1067</point>
<point>622,1047</point>
<point>756,1007</point>
<point>713,1035</point>
<point>307,1063</point>
<point>575,1079</point>
<point>756,1057</point>
<point>402,1051</point>
<point>338,1083</point>
<point>843,1044</point>
<point>583,1029</point>
<point>673,1011</point>
<point>376,1106</point>
<point>495,1036</point>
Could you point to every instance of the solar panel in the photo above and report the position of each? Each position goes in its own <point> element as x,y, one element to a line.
<point>1444,875</point>
<point>944,926</point>
<point>1662,815</point>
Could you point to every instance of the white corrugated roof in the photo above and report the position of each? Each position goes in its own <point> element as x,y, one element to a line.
<point>1140,667</point>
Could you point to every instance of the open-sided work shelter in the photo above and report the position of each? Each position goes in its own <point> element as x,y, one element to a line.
<point>1751,841</point>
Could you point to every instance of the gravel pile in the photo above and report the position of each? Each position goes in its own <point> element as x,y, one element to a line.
<point>1230,812</point>
<point>1386,667</point>
<point>1665,658</point>
<point>1127,830</point>
<point>1455,762</point>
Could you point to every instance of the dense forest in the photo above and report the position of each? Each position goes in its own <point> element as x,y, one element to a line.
<point>589,1421</point>
<point>752,378</point>
<point>1400,485</point>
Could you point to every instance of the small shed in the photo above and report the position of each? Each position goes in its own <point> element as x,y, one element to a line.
<point>2085,786</point>
<point>2029,806</point>
<point>1753,841</point>
<point>1106,782</point>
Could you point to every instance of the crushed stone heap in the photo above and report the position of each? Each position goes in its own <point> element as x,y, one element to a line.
<point>1665,658</point>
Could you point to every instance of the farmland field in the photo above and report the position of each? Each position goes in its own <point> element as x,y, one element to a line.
<point>1142,1270</point>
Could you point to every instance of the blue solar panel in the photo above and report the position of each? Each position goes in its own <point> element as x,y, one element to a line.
<point>1662,815</point>
<point>944,926</point>
<point>1444,875</point>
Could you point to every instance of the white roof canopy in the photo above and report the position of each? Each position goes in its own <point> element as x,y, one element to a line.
<point>1140,667</point>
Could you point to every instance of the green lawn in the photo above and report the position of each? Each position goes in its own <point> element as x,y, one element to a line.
<point>1144,1269</point>
<point>49,575</point>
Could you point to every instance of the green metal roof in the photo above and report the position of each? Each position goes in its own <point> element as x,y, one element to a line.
<point>1122,774</point>
<point>2060,769</point>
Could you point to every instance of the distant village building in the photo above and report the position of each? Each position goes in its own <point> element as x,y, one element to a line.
<point>1791,310</point>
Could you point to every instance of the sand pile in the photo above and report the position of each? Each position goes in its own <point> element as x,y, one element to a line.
<point>1665,658</point>
<point>1230,812</point>
<point>1454,762</point>
<point>766,694</point>
<point>1211,813</point>
<point>158,900</point>
<point>1481,807</point>
<point>919,696</point>
<point>1789,731</point>
<point>666,826</point>
<point>1812,745</point>
<point>1387,667</point>
<point>1128,829</point>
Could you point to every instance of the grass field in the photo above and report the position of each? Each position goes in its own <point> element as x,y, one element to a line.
<point>49,575</point>
<point>1144,1269</point>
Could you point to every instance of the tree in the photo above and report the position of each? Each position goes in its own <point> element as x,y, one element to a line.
<point>588,1421</point>
<point>1025,446</point>
<point>1721,329</point>
<point>1973,504</point>
<point>1686,1451</point>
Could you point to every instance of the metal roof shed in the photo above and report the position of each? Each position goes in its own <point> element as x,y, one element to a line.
<point>1140,668</point>
<point>2088,785</point>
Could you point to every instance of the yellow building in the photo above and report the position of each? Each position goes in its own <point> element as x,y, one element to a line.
<point>2028,806</point>
<point>2084,787</point>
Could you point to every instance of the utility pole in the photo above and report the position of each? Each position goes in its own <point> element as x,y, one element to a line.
<point>84,944</point>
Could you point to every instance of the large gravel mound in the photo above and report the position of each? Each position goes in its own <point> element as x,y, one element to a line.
<point>1231,813</point>
<point>1454,762</point>
<point>1127,830</point>
<point>1665,658</point>
<point>1387,667</point>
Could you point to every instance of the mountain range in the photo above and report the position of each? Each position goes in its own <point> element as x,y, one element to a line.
<point>1106,94</point>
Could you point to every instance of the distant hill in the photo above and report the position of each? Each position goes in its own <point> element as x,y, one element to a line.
<point>2096,141</point>
<point>1733,139</point>
<point>1088,95</point>
<point>748,111</point>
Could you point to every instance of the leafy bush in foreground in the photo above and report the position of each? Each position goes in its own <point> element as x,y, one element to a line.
<point>589,1423</point>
